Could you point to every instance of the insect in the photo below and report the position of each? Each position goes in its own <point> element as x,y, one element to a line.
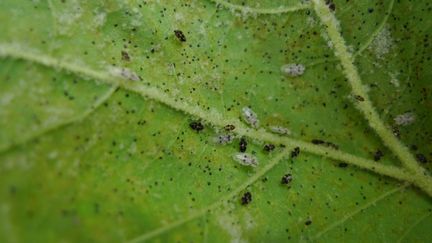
<point>246,159</point>
<point>378,154</point>
<point>421,158</point>
<point>286,179</point>
<point>179,34</point>
<point>223,139</point>
<point>331,5</point>
<point>242,145</point>
<point>280,130</point>
<point>293,69</point>
<point>229,127</point>
<point>269,147</point>
<point>125,56</point>
<point>317,141</point>
<point>343,164</point>
<point>246,198</point>
<point>359,97</point>
<point>196,125</point>
<point>295,152</point>
<point>250,117</point>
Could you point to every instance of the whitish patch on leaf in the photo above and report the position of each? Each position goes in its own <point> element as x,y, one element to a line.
<point>246,159</point>
<point>230,225</point>
<point>405,119</point>
<point>123,73</point>
<point>293,69</point>
<point>250,117</point>
<point>382,43</point>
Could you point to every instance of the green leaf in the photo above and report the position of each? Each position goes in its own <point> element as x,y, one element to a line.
<point>97,97</point>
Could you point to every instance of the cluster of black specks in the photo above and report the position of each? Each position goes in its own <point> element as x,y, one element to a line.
<point>421,158</point>
<point>295,152</point>
<point>242,145</point>
<point>286,179</point>
<point>196,125</point>
<point>269,147</point>
<point>331,5</point>
<point>378,155</point>
<point>246,198</point>
<point>180,36</point>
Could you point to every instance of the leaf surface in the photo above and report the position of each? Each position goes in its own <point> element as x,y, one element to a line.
<point>87,160</point>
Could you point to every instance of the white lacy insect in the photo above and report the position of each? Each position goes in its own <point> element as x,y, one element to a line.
<point>246,159</point>
<point>280,130</point>
<point>250,117</point>
<point>293,69</point>
<point>224,139</point>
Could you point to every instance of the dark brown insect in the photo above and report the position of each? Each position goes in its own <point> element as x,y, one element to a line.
<point>378,154</point>
<point>286,179</point>
<point>196,125</point>
<point>317,141</point>
<point>229,127</point>
<point>243,145</point>
<point>331,5</point>
<point>179,34</point>
<point>246,198</point>
<point>125,56</point>
<point>343,164</point>
<point>269,147</point>
<point>421,158</point>
<point>359,97</point>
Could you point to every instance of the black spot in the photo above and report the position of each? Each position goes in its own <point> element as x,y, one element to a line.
<point>179,34</point>
<point>370,10</point>
<point>331,5</point>
<point>243,145</point>
<point>269,147</point>
<point>343,164</point>
<point>196,125</point>
<point>378,154</point>
<point>229,127</point>
<point>317,141</point>
<point>246,198</point>
<point>286,179</point>
<point>308,222</point>
<point>421,158</point>
<point>125,56</point>
<point>295,152</point>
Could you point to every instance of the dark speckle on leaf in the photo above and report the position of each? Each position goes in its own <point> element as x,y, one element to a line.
<point>308,222</point>
<point>246,198</point>
<point>421,158</point>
